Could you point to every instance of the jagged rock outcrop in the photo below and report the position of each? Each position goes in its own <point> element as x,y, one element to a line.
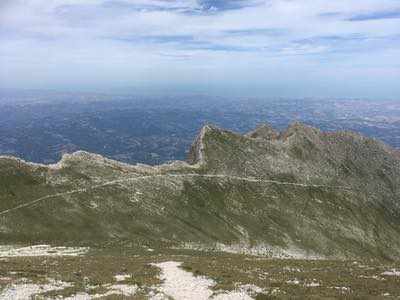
<point>196,153</point>
<point>301,191</point>
<point>263,131</point>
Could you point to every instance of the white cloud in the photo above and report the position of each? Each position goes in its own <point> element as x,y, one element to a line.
<point>168,40</point>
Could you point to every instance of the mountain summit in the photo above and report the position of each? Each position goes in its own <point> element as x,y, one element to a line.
<point>301,193</point>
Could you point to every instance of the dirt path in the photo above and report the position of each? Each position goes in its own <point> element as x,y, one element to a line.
<point>249,179</point>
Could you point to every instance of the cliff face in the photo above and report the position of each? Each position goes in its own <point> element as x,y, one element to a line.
<point>304,154</point>
<point>301,192</point>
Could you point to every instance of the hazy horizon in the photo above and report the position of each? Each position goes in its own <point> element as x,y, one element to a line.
<point>135,94</point>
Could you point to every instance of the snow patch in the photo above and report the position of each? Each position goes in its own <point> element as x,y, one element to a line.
<point>294,281</point>
<point>257,250</point>
<point>392,272</point>
<point>312,284</point>
<point>80,296</point>
<point>371,277</point>
<point>24,290</point>
<point>121,277</point>
<point>182,285</point>
<point>41,250</point>
<point>93,204</point>
<point>342,289</point>
<point>234,295</point>
<point>123,290</point>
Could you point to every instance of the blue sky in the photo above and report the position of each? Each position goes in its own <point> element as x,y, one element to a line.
<point>328,48</point>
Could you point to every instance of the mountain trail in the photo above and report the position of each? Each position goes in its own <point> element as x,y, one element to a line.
<point>249,179</point>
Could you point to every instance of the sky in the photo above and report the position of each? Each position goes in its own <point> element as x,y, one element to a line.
<point>299,48</point>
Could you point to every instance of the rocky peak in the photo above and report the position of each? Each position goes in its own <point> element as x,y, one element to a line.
<point>263,131</point>
<point>301,129</point>
<point>208,133</point>
<point>196,153</point>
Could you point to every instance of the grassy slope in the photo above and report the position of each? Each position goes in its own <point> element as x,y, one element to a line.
<point>362,221</point>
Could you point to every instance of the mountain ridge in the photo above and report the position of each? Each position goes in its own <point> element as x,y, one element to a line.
<point>294,128</point>
<point>301,190</point>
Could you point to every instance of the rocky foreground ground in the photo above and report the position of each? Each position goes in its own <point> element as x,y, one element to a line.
<point>43,272</point>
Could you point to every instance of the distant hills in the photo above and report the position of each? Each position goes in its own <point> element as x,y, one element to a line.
<point>297,193</point>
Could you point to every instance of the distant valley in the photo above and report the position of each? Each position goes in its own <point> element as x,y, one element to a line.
<point>41,126</point>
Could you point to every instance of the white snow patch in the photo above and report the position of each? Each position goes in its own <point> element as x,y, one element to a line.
<point>121,277</point>
<point>233,295</point>
<point>312,284</point>
<point>40,250</point>
<point>343,289</point>
<point>182,285</point>
<point>275,291</point>
<point>371,277</point>
<point>123,290</point>
<point>24,290</point>
<point>257,250</point>
<point>392,272</point>
<point>80,296</point>
<point>294,281</point>
<point>243,292</point>
<point>5,278</point>
<point>93,204</point>
<point>251,288</point>
<point>289,269</point>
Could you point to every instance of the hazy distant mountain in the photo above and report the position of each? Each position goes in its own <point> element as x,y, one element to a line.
<point>301,192</point>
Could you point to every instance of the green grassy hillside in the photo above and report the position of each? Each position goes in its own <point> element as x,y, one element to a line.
<point>301,193</point>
